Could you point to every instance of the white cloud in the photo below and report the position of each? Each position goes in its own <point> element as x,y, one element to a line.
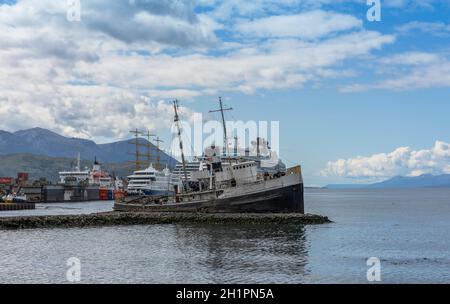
<point>408,71</point>
<point>412,58</point>
<point>433,28</point>
<point>299,25</point>
<point>411,4</point>
<point>224,9</point>
<point>402,161</point>
<point>275,64</point>
<point>121,60</point>
<point>83,111</point>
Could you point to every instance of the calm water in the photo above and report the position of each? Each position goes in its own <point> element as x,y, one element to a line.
<point>63,208</point>
<point>409,230</point>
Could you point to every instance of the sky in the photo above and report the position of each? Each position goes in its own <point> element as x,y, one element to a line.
<point>357,100</point>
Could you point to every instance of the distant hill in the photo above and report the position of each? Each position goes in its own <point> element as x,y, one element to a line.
<point>426,180</point>
<point>346,186</point>
<point>38,166</point>
<point>422,181</point>
<point>38,141</point>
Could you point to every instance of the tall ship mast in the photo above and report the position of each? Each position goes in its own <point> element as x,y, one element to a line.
<point>150,181</point>
<point>225,138</point>
<point>183,161</point>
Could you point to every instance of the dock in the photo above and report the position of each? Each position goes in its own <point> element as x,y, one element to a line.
<point>16,206</point>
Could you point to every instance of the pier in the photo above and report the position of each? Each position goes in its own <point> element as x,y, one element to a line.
<point>149,218</point>
<point>16,206</point>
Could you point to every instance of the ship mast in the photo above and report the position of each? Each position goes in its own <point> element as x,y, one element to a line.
<point>177,123</point>
<point>136,134</point>
<point>158,158</point>
<point>142,158</point>
<point>225,139</point>
<point>149,146</point>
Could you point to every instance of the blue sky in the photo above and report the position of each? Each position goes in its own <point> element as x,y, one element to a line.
<point>357,101</point>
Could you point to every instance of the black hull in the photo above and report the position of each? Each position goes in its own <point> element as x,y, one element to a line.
<point>287,199</point>
<point>284,199</point>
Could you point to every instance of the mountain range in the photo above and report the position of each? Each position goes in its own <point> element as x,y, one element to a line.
<point>42,153</point>
<point>422,181</point>
<point>40,150</point>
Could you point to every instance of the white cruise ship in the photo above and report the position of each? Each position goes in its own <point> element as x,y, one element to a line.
<point>150,182</point>
<point>178,172</point>
<point>96,176</point>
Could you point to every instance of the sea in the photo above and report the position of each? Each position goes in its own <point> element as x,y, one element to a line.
<point>377,236</point>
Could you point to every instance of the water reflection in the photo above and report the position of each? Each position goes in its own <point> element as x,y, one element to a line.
<point>250,253</point>
<point>408,231</point>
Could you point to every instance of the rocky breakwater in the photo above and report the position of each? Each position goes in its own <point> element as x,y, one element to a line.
<point>147,218</point>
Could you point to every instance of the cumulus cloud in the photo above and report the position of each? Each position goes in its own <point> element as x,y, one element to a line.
<point>125,57</point>
<point>402,161</point>
<point>270,65</point>
<point>53,71</point>
<point>411,70</point>
<point>83,111</point>
<point>172,23</point>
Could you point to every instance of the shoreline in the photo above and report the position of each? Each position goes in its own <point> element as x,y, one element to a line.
<point>114,218</point>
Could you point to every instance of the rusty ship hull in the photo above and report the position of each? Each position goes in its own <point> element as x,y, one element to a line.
<point>284,194</point>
